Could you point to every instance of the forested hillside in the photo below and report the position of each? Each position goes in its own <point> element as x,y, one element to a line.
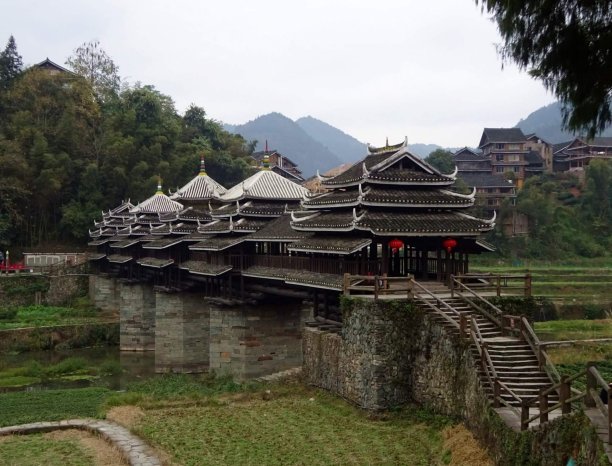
<point>72,144</point>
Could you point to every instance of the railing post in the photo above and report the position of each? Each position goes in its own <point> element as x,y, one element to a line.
<point>499,285</point>
<point>452,285</point>
<point>564,395</point>
<point>543,402</point>
<point>541,360</point>
<point>496,394</point>
<point>410,295</point>
<point>346,284</point>
<point>376,287</point>
<point>527,285</point>
<point>591,384</point>
<point>462,325</point>
<point>524,415</point>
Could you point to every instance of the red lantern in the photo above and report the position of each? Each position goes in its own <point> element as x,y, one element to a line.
<point>396,243</point>
<point>449,244</point>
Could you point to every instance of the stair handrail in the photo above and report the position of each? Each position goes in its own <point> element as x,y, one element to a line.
<point>498,320</point>
<point>592,399</point>
<point>544,360</point>
<point>439,301</point>
<point>489,369</point>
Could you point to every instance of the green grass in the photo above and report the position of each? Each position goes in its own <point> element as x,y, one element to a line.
<point>74,368</point>
<point>556,330</point>
<point>41,316</point>
<point>36,450</point>
<point>51,405</point>
<point>299,425</point>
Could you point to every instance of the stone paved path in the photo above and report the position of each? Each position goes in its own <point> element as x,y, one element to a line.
<point>131,447</point>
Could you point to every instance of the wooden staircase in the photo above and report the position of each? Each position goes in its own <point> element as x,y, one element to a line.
<point>514,361</point>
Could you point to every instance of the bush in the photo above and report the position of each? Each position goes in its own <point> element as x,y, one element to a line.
<point>592,312</point>
<point>8,313</point>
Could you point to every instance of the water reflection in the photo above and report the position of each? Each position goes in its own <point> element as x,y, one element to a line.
<point>134,366</point>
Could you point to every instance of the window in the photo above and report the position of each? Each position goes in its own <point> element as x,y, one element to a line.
<point>513,158</point>
<point>499,146</point>
<point>499,169</point>
<point>499,157</point>
<point>516,169</point>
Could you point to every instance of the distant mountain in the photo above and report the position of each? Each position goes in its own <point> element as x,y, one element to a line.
<point>309,142</point>
<point>346,147</point>
<point>287,137</point>
<point>546,122</point>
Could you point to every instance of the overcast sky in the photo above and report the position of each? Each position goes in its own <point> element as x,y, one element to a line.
<point>428,70</point>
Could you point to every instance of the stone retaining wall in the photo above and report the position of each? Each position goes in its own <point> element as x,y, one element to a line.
<point>391,353</point>
<point>137,316</point>
<point>104,292</point>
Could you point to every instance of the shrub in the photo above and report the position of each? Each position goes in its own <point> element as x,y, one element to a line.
<point>592,312</point>
<point>8,313</point>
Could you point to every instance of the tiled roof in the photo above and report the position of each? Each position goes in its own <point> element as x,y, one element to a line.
<point>389,196</point>
<point>255,208</point>
<point>96,257</point>
<point>204,268</point>
<point>387,148</point>
<point>200,188</point>
<point>98,242</point>
<point>265,184</point>
<point>162,243</point>
<point>277,230</point>
<point>561,145</point>
<point>485,180</point>
<point>492,135</point>
<point>330,244</point>
<point>155,262</point>
<point>297,277</point>
<point>125,243</point>
<point>119,259</point>
<point>534,158</point>
<point>245,225</point>
<point>400,167</point>
<point>191,215</point>
<point>177,229</point>
<point>396,223</point>
<point>468,155</point>
<point>122,209</point>
<point>217,243</point>
<point>158,203</point>
<point>428,224</point>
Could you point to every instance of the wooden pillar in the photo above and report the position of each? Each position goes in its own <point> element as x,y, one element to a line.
<point>424,268</point>
<point>385,258</point>
<point>439,263</point>
<point>406,252</point>
<point>315,303</point>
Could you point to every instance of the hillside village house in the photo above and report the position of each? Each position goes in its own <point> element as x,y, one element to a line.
<point>575,155</point>
<point>279,164</point>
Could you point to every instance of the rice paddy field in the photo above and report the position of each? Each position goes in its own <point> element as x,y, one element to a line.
<point>581,281</point>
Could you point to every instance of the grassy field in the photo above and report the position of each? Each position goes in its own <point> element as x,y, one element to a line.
<point>202,420</point>
<point>294,424</point>
<point>35,450</point>
<point>51,405</point>
<point>579,280</point>
<point>557,330</point>
<point>42,316</point>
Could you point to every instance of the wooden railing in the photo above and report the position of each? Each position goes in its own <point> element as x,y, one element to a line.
<point>459,323</point>
<point>377,285</point>
<point>507,323</point>
<point>497,282</point>
<point>590,394</point>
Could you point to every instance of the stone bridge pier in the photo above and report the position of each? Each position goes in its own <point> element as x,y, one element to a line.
<point>190,334</point>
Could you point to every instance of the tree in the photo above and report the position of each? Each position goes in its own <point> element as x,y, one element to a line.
<point>93,63</point>
<point>11,64</point>
<point>566,44</point>
<point>442,160</point>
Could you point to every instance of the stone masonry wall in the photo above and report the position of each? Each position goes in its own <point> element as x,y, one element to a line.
<point>64,288</point>
<point>424,363</point>
<point>181,332</point>
<point>137,311</point>
<point>254,341</point>
<point>104,292</point>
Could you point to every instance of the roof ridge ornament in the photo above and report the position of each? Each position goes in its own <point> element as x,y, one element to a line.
<point>209,206</point>
<point>237,207</point>
<point>202,165</point>
<point>492,220</point>
<point>453,175</point>
<point>365,171</point>
<point>159,185</point>
<point>360,197</point>
<point>231,225</point>
<point>472,195</point>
